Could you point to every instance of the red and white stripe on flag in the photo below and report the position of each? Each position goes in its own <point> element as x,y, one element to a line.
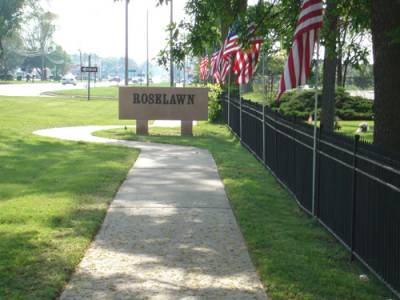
<point>204,68</point>
<point>246,61</point>
<point>225,68</point>
<point>298,66</point>
<point>215,59</point>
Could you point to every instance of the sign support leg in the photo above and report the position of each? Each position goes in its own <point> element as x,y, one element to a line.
<point>187,128</point>
<point>142,127</point>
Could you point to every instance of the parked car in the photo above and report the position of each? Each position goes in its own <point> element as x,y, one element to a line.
<point>68,79</point>
<point>114,79</point>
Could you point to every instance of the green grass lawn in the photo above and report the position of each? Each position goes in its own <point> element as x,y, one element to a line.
<point>294,256</point>
<point>97,92</point>
<point>53,194</point>
<point>24,81</point>
<point>349,128</point>
<point>101,92</point>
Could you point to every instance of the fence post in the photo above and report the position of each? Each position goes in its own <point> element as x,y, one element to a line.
<point>318,173</point>
<point>294,136</point>
<point>354,195</point>
<point>263,133</point>
<point>229,111</point>
<point>240,118</point>
<point>276,143</point>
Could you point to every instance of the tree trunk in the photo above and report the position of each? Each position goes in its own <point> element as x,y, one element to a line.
<point>385,19</point>
<point>346,67</point>
<point>2,64</point>
<point>330,62</point>
<point>339,70</point>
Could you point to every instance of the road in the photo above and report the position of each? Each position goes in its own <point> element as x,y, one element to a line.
<point>363,93</point>
<point>37,89</point>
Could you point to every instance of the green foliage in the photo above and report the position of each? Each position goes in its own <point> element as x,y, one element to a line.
<point>10,18</point>
<point>6,77</point>
<point>214,105</point>
<point>301,104</point>
<point>205,30</point>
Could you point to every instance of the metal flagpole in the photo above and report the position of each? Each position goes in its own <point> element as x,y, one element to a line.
<point>147,48</point>
<point>184,71</point>
<point>263,73</point>
<point>229,98</point>
<point>126,42</point>
<point>171,63</point>
<point>315,130</point>
<point>240,112</point>
<point>266,95</point>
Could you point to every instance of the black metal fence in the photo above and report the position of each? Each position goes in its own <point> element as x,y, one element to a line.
<point>357,187</point>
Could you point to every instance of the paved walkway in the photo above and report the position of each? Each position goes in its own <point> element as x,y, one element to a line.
<point>169,233</point>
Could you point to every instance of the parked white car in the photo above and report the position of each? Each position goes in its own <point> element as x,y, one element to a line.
<point>68,79</point>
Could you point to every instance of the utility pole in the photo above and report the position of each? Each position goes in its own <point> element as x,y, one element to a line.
<point>147,48</point>
<point>80,58</point>
<point>43,63</point>
<point>88,95</point>
<point>171,67</point>
<point>126,42</point>
<point>184,71</point>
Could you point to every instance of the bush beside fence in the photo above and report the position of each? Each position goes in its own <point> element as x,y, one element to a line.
<point>357,185</point>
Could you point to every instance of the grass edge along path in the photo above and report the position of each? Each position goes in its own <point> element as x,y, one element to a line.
<point>54,194</point>
<point>295,257</point>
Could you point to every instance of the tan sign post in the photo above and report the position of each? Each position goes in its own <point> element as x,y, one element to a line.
<point>156,103</point>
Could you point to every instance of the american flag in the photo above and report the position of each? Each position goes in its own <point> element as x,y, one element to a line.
<point>204,68</point>
<point>225,68</point>
<point>298,66</point>
<point>231,45</point>
<point>246,61</point>
<point>215,60</point>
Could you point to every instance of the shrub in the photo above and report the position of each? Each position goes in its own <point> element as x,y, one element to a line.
<point>301,105</point>
<point>7,77</point>
<point>214,105</point>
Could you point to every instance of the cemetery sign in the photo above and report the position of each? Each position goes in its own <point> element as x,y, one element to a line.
<point>156,103</point>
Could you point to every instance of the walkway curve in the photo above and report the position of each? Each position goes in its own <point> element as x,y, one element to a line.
<point>170,232</point>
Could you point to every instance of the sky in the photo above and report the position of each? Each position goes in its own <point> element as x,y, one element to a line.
<point>98,26</point>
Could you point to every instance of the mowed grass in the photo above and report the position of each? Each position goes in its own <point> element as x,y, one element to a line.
<point>295,257</point>
<point>97,92</point>
<point>102,92</point>
<point>349,128</point>
<point>53,194</point>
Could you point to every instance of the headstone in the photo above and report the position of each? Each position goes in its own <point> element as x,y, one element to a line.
<point>362,128</point>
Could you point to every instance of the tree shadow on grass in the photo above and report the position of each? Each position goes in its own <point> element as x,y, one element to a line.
<point>53,198</point>
<point>37,166</point>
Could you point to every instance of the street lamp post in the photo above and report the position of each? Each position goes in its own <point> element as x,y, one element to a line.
<point>80,58</point>
<point>170,45</point>
<point>126,42</point>
<point>147,48</point>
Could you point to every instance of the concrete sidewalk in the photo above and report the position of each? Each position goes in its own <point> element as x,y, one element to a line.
<point>169,233</point>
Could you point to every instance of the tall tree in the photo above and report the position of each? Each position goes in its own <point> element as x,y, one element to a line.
<point>11,12</point>
<point>330,33</point>
<point>386,45</point>
<point>207,28</point>
<point>40,36</point>
<point>352,53</point>
<point>353,33</point>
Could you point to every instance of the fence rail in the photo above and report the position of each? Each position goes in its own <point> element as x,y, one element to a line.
<point>357,185</point>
